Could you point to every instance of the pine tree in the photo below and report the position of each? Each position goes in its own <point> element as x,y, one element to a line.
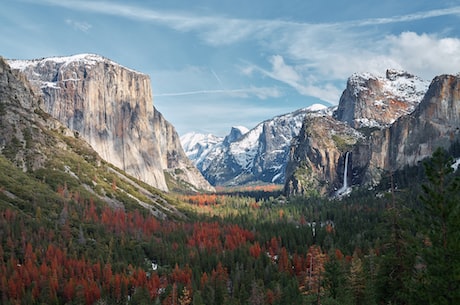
<point>357,280</point>
<point>440,266</point>
<point>333,276</point>
<point>397,258</point>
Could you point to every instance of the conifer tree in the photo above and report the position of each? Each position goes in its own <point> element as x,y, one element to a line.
<point>397,259</point>
<point>357,280</point>
<point>440,266</point>
<point>333,276</point>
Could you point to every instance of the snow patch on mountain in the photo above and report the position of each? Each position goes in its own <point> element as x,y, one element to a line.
<point>244,156</point>
<point>197,146</point>
<point>378,101</point>
<point>87,59</point>
<point>62,63</point>
<point>316,108</point>
<point>456,164</point>
<point>245,150</point>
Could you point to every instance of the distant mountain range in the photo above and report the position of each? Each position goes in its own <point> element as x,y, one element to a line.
<point>261,154</point>
<point>381,125</point>
<point>247,156</point>
<point>382,122</point>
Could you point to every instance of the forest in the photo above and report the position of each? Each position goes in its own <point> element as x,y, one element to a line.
<point>397,243</point>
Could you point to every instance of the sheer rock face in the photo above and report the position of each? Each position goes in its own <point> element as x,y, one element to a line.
<point>111,107</point>
<point>434,123</point>
<point>317,155</point>
<point>375,101</point>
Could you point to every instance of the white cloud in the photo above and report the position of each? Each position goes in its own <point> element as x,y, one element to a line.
<point>425,55</point>
<point>410,17</point>
<point>282,71</point>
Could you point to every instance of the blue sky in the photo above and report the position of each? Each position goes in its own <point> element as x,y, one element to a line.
<point>216,64</point>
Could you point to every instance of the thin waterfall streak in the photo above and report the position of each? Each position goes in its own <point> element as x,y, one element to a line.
<point>345,172</point>
<point>344,189</point>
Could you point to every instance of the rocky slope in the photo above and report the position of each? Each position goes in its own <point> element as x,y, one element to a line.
<point>21,138</point>
<point>246,156</point>
<point>377,141</point>
<point>111,107</point>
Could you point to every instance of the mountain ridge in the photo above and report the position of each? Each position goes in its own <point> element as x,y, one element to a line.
<point>254,155</point>
<point>364,125</point>
<point>111,107</point>
<point>411,137</point>
<point>52,158</point>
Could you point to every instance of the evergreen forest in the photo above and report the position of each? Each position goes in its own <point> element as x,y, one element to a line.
<point>397,243</point>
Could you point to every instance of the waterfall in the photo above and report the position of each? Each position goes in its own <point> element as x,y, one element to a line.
<point>344,189</point>
<point>345,172</point>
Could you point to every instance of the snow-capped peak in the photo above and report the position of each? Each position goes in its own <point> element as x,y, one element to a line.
<point>378,100</point>
<point>397,82</point>
<point>242,129</point>
<point>316,107</point>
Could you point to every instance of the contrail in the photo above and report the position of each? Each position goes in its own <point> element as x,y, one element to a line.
<point>217,77</point>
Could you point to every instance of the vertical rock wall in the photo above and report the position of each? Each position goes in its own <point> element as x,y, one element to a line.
<point>111,107</point>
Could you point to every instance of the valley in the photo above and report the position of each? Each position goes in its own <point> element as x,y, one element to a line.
<point>99,203</point>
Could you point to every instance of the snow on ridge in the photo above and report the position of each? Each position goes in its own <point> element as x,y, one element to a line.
<point>406,85</point>
<point>316,107</point>
<point>397,82</point>
<point>242,129</point>
<point>19,64</point>
<point>263,145</point>
<point>89,59</point>
<point>198,145</point>
<point>245,149</point>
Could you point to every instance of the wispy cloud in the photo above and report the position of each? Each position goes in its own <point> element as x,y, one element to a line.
<point>260,92</point>
<point>79,25</point>
<point>224,30</point>
<point>410,17</point>
<point>287,74</point>
<point>319,53</point>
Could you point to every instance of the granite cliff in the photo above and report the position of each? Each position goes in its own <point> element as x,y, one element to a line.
<point>111,107</point>
<point>382,124</point>
<point>434,123</point>
<point>317,155</point>
<point>376,101</point>
<point>41,157</point>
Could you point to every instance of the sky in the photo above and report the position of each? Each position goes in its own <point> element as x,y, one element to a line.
<point>215,64</point>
